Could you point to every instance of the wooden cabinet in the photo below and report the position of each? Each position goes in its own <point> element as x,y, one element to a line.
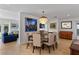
<point>65,35</point>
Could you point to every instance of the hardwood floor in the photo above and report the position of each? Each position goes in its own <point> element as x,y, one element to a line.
<point>13,49</point>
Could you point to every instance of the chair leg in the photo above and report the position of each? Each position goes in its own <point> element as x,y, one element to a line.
<point>49,48</point>
<point>43,46</point>
<point>53,47</point>
<point>33,48</point>
<point>56,44</point>
<point>40,50</point>
<point>27,45</point>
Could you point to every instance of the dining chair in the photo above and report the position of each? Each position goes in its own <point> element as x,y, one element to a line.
<point>51,42</point>
<point>37,42</point>
<point>30,39</point>
<point>55,40</point>
<point>44,36</point>
<point>45,39</point>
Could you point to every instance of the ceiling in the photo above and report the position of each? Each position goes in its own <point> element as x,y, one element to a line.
<point>51,10</point>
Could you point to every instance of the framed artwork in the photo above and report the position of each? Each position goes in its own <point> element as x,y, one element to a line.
<point>13,25</point>
<point>30,24</point>
<point>53,25</point>
<point>66,24</point>
<point>42,25</point>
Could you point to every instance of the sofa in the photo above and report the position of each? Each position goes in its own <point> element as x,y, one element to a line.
<point>9,37</point>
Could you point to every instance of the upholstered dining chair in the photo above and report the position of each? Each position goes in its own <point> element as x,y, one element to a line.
<point>55,40</point>
<point>30,39</point>
<point>51,42</point>
<point>45,36</point>
<point>37,42</point>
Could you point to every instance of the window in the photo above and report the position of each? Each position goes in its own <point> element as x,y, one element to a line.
<point>77,28</point>
<point>0,28</point>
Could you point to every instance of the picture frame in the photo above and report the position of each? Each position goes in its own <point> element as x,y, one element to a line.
<point>53,25</point>
<point>66,24</point>
<point>30,25</point>
<point>42,26</point>
<point>13,25</point>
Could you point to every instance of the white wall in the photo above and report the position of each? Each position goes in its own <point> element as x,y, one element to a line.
<point>23,35</point>
<point>54,20</point>
<point>5,14</point>
<point>74,21</point>
<point>58,21</point>
<point>14,22</point>
<point>8,22</point>
<point>8,17</point>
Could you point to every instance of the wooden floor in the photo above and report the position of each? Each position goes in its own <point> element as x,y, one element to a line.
<point>13,49</point>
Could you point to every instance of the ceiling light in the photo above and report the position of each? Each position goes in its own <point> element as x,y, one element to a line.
<point>43,19</point>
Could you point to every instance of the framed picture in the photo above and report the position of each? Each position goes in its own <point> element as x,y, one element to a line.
<point>30,24</point>
<point>66,24</point>
<point>13,25</point>
<point>42,25</point>
<point>53,25</point>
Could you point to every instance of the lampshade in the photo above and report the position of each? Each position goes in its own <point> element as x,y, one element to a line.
<point>43,19</point>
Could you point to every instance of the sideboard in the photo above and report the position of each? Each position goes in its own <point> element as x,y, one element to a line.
<point>65,35</point>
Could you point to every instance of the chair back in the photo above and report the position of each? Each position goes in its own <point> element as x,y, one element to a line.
<point>37,40</point>
<point>45,34</point>
<point>29,36</point>
<point>51,37</point>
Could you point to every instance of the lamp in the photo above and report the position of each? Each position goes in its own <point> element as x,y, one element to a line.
<point>43,19</point>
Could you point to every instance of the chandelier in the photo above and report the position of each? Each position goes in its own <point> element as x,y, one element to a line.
<point>43,19</point>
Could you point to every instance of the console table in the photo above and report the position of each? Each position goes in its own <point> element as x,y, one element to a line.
<point>74,48</point>
<point>65,35</point>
